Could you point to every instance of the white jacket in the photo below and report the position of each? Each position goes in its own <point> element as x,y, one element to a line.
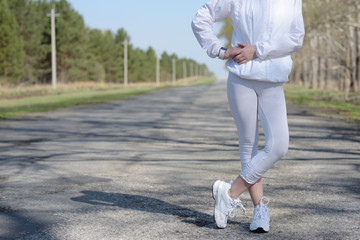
<point>274,27</point>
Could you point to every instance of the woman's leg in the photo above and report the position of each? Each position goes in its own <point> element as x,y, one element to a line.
<point>270,103</point>
<point>273,116</point>
<point>243,103</point>
<point>256,192</point>
<point>247,99</point>
<point>240,185</point>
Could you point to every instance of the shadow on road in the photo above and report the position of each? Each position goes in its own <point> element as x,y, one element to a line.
<point>151,205</point>
<point>21,223</point>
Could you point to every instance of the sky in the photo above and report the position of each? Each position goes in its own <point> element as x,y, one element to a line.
<point>164,25</point>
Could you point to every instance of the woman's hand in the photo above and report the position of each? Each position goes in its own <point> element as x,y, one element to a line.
<point>232,52</point>
<point>241,54</point>
<point>246,54</point>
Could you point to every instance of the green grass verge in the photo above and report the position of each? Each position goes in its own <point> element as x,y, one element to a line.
<point>18,102</point>
<point>326,102</point>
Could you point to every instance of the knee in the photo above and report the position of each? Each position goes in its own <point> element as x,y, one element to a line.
<point>280,148</point>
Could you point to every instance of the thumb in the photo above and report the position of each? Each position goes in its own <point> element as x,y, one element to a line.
<point>242,45</point>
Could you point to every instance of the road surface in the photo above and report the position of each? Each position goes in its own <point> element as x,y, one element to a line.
<point>143,167</point>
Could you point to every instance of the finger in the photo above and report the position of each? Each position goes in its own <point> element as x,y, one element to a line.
<point>234,54</point>
<point>236,51</point>
<point>239,54</point>
<point>239,58</point>
<point>234,57</point>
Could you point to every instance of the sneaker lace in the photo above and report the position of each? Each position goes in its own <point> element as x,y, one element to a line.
<point>262,211</point>
<point>232,210</point>
<point>236,203</point>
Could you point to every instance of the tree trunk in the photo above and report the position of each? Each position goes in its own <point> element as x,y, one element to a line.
<point>347,71</point>
<point>5,75</point>
<point>328,77</point>
<point>352,63</point>
<point>314,62</point>
<point>322,65</point>
<point>357,81</point>
<point>297,73</point>
<point>306,74</point>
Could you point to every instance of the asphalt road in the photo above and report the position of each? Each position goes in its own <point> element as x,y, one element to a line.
<point>142,168</point>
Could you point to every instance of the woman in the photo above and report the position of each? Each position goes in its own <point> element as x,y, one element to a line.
<point>265,33</point>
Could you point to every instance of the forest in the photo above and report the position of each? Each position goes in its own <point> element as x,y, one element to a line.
<point>330,56</point>
<point>82,53</point>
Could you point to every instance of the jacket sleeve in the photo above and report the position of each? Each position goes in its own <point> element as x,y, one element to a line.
<point>284,44</point>
<point>202,24</point>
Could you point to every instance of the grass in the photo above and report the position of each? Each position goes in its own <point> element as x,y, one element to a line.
<point>326,102</point>
<point>16,102</point>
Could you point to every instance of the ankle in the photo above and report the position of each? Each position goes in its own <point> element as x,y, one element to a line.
<point>232,195</point>
<point>258,202</point>
<point>263,201</point>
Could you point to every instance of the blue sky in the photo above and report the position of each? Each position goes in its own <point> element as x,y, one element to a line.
<point>161,24</point>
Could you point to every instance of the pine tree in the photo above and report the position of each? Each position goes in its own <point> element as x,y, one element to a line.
<point>121,35</point>
<point>82,54</point>
<point>150,65</point>
<point>136,65</point>
<point>11,46</point>
<point>94,48</point>
<point>111,57</point>
<point>165,63</point>
<point>32,21</point>
<point>71,44</point>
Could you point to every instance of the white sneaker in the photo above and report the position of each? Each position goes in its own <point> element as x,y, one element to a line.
<point>224,206</point>
<point>261,219</point>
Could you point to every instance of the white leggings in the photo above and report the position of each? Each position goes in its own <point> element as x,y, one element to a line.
<point>249,99</point>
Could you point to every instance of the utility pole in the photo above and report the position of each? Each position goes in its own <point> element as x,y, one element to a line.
<point>125,62</point>
<point>52,15</point>
<point>173,70</point>
<point>157,71</point>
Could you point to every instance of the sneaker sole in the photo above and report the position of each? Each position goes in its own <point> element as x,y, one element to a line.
<point>259,230</point>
